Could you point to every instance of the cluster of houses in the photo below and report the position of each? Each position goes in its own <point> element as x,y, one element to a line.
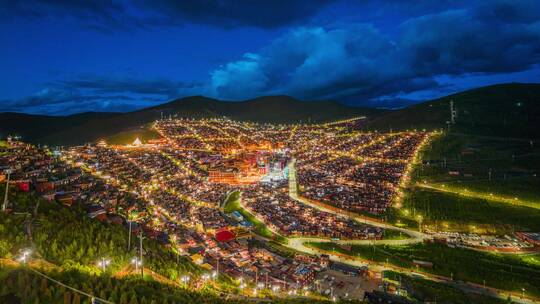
<point>361,174</point>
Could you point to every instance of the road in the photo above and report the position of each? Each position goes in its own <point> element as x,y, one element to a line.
<point>297,243</point>
<point>414,236</point>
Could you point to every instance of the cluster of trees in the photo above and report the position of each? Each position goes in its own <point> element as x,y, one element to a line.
<point>32,288</point>
<point>67,237</point>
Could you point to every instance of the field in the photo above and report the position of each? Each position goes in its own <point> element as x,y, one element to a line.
<point>474,184</point>
<point>452,212</point>
<point>390,234</point>
<point>489,165</point>
<point>508,272</point>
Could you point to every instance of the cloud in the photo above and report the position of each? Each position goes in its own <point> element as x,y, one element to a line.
<point>263,14</point>
<point>105,85</point>
<point>100,15</point>
<point>108,16</point>
<point>358,62</point>
<point>93,93</point>
<point>476,40</point>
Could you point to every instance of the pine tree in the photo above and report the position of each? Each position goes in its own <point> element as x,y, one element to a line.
<point>103,294</point>
<point>67,297</point>
<point>123,298</point>
<point>133,299</point>
<point>43,286</point>
<point>76,299</point>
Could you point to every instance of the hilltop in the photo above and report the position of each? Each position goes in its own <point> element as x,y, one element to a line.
<point>85,127</point>
<point>504,110</point>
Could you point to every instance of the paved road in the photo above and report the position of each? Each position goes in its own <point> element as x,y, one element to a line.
<point>297,243</point>
<point>414,236</point>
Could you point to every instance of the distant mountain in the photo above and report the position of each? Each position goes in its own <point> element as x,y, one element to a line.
<point>504,110</point>
<point>86,127</point>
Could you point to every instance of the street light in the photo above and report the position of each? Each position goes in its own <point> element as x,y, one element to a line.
<point>185,279</point>
<point>137,262</point>
<point>4,205</point>
<point>25,254</point>
<point>419,217</point>
<point>103,263</point>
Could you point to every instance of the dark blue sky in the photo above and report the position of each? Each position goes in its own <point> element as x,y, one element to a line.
<point>61,57</point>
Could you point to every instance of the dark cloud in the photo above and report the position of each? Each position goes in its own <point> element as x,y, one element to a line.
<point>92,93</point>
<point>102,85</point>
<point>357,61</point>
<point>100,15</point>
<point>475,40</point>
<point>55,98</point>
<point>108,16</point>
<point>233,13</point>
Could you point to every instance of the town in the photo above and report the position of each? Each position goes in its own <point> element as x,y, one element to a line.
<point>177,190</point>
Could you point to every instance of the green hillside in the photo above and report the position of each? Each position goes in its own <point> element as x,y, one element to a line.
<point>505,110</point>
<point>81,128</point>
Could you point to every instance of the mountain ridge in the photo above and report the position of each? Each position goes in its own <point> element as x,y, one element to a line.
<point>90,126</point>
<point>505,110</point>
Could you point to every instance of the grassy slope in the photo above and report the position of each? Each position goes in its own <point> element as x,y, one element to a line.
<point>67,237</point>
<point>451,212</point>
<point>510,178</point>
<point>144,133</point>
<point>491,110</point>
<point>512,165</point>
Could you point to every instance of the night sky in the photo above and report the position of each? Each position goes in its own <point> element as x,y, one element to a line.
<point>62,57</point>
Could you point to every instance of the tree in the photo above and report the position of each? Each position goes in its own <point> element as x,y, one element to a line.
<point>133,299</point>
<point>76,299</point>
<point>67,297</point>
<point>123,298</point>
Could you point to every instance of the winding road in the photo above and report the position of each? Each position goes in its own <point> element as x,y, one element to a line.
<point>414,236</point>
<point>298,243</point>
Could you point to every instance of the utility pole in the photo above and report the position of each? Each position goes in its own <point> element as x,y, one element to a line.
<point>129,235</point>
<point>453,113</point>
<point>257,277</point>
<point>4,206</point>
<point>141,253</point>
